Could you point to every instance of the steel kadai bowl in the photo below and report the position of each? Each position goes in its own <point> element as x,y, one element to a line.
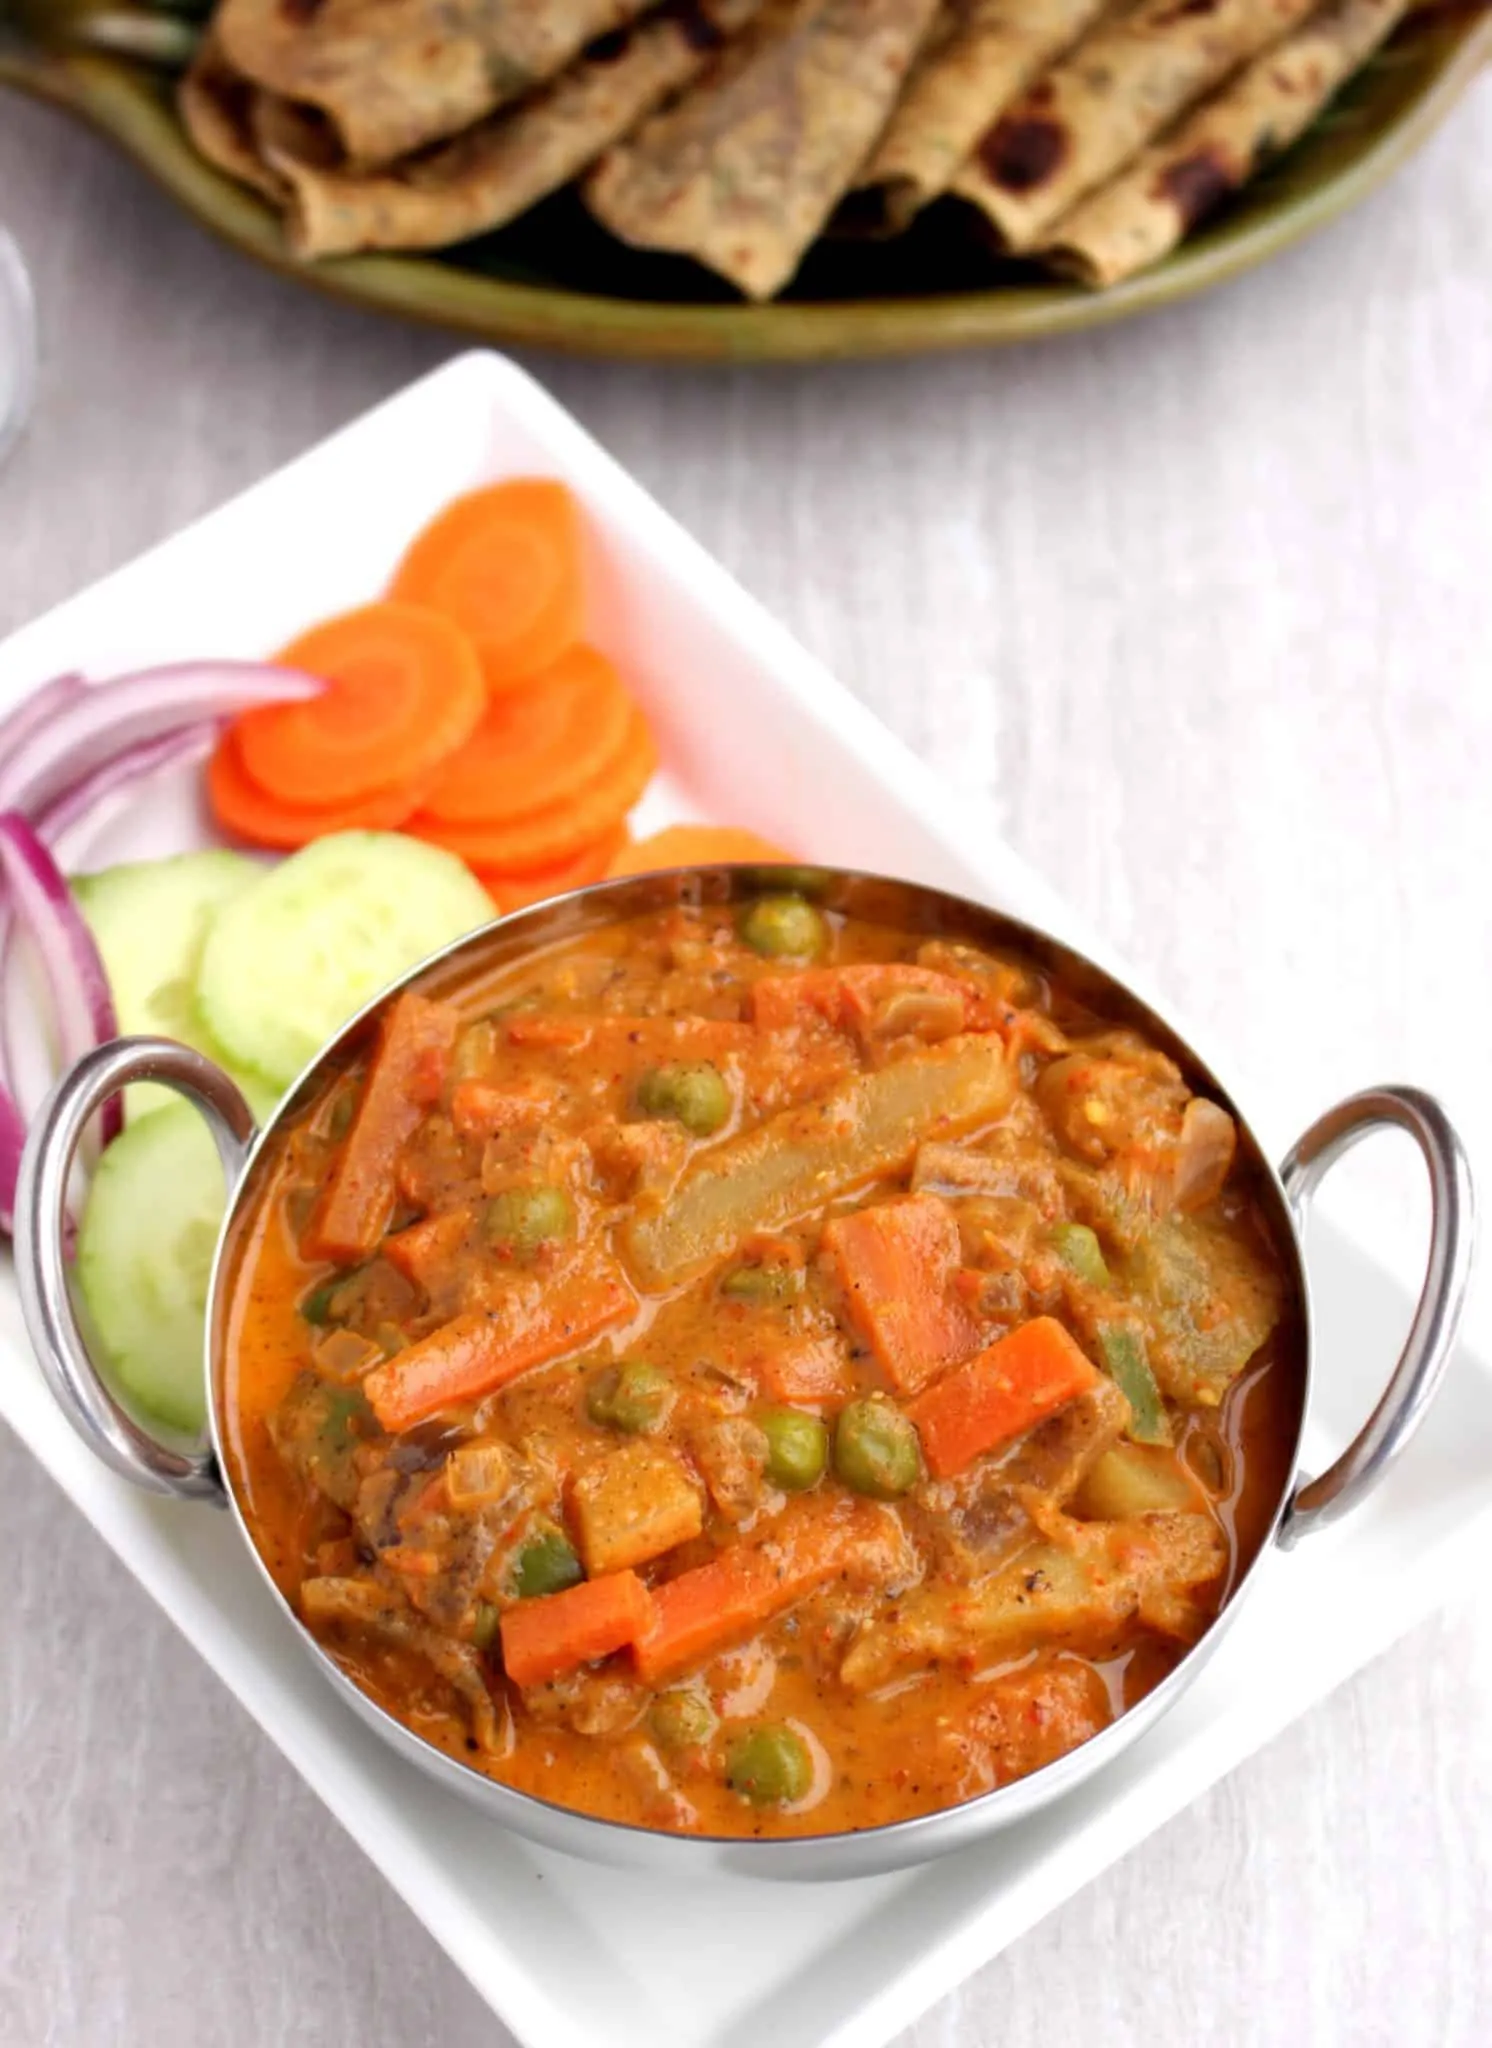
<point>198,1473</point>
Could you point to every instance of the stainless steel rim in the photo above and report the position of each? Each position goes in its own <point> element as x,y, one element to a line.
<point>190,1472</point>
<point>1416,1378</point>
<point>914,907</point>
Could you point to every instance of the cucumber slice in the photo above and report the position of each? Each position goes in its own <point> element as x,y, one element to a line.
<point>151,919</point>
<point>144,1257</point>
<point>294,955</point>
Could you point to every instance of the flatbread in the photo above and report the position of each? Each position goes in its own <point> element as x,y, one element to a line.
<point>509,161</point>
<point>1172,186</point>
<point>980,55</point>
<point>394,75</point>
<point>1124,83</point>
<point>290,130</point>
<point>216,106</point>
<point>744,171</point>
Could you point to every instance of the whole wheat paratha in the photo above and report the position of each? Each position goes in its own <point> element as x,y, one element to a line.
<point>1124,83</point>
<point>745,169</point>
<point>1176,183</point>
<point>393,75</point>
<point>514,158</point>
<point>980,55</point>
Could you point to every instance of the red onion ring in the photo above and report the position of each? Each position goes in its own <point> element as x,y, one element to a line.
<point>72,806</point>
<point>36,712</point>
<point>104,719</point>
<point>12,1144</point>
<point>77,985</point>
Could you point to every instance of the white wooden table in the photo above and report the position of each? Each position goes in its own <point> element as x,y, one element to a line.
<point>1205,604</point>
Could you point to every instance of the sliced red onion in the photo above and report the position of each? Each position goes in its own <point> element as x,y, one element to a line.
<point>44,909</point>
<point>36,712</point>
<point>105,719</point>
<point>12,1144</point>
<point>74,805</point>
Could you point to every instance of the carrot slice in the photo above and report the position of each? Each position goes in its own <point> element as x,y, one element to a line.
<point>806,1369</point>
<point>695,846</point>
<point>526,1325</point>
<point>425,1251</point>
<point>704,1610</point>
<point>1011,1386</point>
<point>538,744</point>
<point>896,1263</point>
<point>404,690</point>
<point>504,564</point>
<point>245,811</point>
<point>591,864</point>
<point>405,1077</point>
<point>543,1639</point>
<point>561,831</point>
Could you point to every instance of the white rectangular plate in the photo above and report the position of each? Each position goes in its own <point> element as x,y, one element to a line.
<point>754,731</point>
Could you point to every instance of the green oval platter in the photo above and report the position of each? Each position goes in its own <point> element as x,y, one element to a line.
<point>554,280</point>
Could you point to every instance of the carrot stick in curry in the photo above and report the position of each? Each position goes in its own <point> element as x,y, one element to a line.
<point>474,1354</point>
<point>1010,1387</point>
<point>404,1078</point>
<point>543,1639</point>
<point>703,1610</point>
<point>896,1263</point>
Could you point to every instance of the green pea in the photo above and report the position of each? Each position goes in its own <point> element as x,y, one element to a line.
<point>797,1448</point>
<point>761,1283</point>
<point>769,1765</point>
<point>783,928</point>
<point>546,1564</point>
<point>876,1450</point>
<point>682,1720</point>
<point>484,1625</point>
<point>634,1397</point>
<point>693,1094</point>
<point>1079,1250</point>
<point>524,1219</point>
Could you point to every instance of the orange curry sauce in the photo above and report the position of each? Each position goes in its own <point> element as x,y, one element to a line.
<point>924,1313</point>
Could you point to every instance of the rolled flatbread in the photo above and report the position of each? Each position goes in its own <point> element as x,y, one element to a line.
<point>393,75</point>
<point>512,159</point>
<point>981,53</point>
<point>745,169</point>
<point>216,105</point>
<point>1124,83</point>
<point>1173,185</point>
<point>290,130</point>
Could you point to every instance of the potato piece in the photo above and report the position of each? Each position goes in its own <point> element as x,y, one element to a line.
<point>1078,1585</point>
<point>800,1159</point>
<point>634,1504</point>
<point>1133,1479</point>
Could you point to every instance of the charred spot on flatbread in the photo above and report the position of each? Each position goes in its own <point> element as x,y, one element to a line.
<point>1198,185</point>
<point>1023,151</point>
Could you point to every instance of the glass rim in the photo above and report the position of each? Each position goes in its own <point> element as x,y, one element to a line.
<point>17,345</point>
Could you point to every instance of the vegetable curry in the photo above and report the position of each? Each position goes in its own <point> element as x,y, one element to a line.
<point>748,1371</point>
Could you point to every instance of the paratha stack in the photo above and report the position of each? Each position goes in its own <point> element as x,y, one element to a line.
<point>1088,135</point>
